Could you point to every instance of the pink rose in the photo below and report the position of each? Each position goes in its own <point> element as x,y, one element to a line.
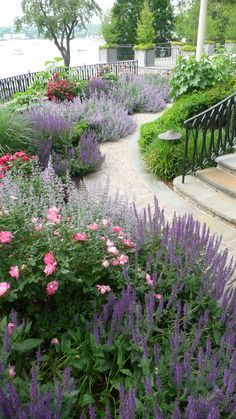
<point>5,237</point>
<point>110,243</point>
<point>49,258</point>
<point>14,272</point>
<point>102,289</point>
<point>81,237</point>
<point>105,222</point>
<point>52,287</point>
<point>10,328</point>
<point>93,226</point>
<point>11,371</point>
<point>113,250</point>
<point>38,227</point>
<point>50,268</point>
<point>129,243</point>
<point>105,263</point>
<point>103,238</point>
<point>56,233</point>
<point>4,287</point>
<point>116,229</point>
<point>115,262</point>
<point>53,216</point>
<point>54,341</point>
<point>123,259</point>
<point>149,280</point>
<point>158,296</point>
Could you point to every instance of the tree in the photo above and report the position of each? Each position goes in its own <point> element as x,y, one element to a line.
<point>145,30</point>
<point>127,13</point>
<point>220,20</point>
<point>57,20</point>
<point>109,28</point>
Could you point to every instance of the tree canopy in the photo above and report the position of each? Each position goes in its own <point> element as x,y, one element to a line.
<point>127,13</point>
<point>221,20</point>
<point>145,30</point>
<point>57,20</point>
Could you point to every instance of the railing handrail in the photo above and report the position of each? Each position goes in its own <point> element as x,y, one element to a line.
<point>71,68</point>
<point>211,133</point>
<point>209,109</point>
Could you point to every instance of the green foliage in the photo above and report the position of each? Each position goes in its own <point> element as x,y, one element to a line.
<point>57,20</point>
<point>144,47</point>
<point>145,30</point>
<point>127,14</point>
<point>192,75</point>
<point>221,20</point>
<point>188,48</point>
<point>16,130</point>
<point>166,159</point>
<point>109,29</point>
<point>106,46</point>
<point>178,43</point>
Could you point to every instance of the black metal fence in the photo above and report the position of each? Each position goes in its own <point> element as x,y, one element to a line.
<point>125,52</point>
<point>209,135</point>
<point>11,85</point>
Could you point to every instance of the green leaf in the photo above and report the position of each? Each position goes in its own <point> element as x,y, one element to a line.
<point>86,400</point>
<point>126,372</point>
<point>27,345</point>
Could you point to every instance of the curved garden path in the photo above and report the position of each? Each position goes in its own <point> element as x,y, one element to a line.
<point>126,172</point>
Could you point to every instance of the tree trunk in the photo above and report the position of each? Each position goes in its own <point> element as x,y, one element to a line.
<point>66,57</point>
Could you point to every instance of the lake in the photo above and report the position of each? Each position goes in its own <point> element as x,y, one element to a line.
<point>19,56</point>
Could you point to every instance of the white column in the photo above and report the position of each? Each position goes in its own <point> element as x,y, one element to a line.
<point>201,28</point>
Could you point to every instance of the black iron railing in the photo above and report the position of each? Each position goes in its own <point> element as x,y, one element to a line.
<point>11,85</point>
<point>125,52</point>
<point>209,135</point>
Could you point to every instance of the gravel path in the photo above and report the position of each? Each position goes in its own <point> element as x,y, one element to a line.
<point>126,172</point>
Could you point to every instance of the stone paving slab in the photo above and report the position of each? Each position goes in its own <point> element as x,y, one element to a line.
<point>126,172</point>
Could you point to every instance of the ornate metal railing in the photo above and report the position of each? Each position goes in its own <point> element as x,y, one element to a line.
<point>11,85</point>
<point>209,135</point>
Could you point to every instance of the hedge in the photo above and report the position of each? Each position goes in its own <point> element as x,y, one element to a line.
<point>165,159</point>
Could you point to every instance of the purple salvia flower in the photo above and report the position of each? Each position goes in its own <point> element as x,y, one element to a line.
<point>108,412</point>
<point>92,413</point>
<point>178,373</point>
<point>6,341</point>
<point>33,386</point>
<point>13,316</point>
<point>213,413</point>
<point>144,346</point>
<point>147,386</point>
<point>176,413</point>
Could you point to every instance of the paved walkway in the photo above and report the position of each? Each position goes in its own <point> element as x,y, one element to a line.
<point>127,173</point>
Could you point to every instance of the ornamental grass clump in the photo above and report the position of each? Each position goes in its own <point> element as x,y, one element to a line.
<point>141,310</point>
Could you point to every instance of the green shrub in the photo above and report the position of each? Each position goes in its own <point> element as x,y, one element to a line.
<point>188,48</point>
<point>106,46</point>
<point>16,130</point>
<point>165,159</point>
<point>192,75</point>
<point>144,47</point>
<point>178,43</point>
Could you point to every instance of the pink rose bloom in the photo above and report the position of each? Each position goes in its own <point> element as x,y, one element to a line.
<point>113,250</point>
<point>56,233</point>
<point>102,289</point>
<point>14,272</point>
<point>105,263</point>
<point>50,268</point>
<point>52,287</point>
<point>4,287</point>
<point>38,227</point>
<point>121,235</point>
<point>115,262</point>
<point>116,229</point>
<point>5,237</point>
<point>53,216</point>
<point>105,222</point>
<point>123,259</point>
<point>54,341</point>
<point>103,238</point>
<point>110,243</point>
<point>93,226</point>
<point>49,258</point>
<point>81,237</point>
<point>149,280</point>
<point>129,243</point>
<point>11,371</point>
<point>158,296</point>
<point>10,328</point>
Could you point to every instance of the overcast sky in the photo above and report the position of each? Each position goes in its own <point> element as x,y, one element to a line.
<point>11,8</point>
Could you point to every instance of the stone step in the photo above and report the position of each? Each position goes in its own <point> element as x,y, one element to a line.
<point>207,199</point>
<point>219,180</point>
<point>227,163</point>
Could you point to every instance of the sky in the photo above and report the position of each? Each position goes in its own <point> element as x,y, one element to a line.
<point>11,8</point>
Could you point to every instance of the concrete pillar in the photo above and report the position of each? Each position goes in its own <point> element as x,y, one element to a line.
<point>201,28</point>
